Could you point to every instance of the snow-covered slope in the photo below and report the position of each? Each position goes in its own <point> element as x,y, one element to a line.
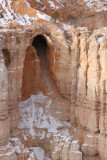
<point>9,17</point>
<point>45,5</point>
<point>85,13</point>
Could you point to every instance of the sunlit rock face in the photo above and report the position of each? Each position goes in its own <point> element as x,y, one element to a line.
<point>52,88</point>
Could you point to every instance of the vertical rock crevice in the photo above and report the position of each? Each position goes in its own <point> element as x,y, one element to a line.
<point>6,55</point>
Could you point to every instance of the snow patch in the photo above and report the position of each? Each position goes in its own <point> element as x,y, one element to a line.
<point>60,31</point>
<point>102,9</point>
<point>52,5</point>
<point>32,116</point>
<point>10,16</point>
<point>43,16</point>
<point>99,39</point>
<point>39,153</point>
<point>27,3</point>
<point>92,3</point>
<point>90,136</point>
<point>61,2</point>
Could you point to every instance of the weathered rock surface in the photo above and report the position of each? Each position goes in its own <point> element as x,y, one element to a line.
<point>77,62</point>
<point>84,13</point>
<point>64,92</point>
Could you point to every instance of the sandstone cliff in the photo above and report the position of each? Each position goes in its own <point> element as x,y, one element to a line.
<point>52,88</point>
<point>84,13</point>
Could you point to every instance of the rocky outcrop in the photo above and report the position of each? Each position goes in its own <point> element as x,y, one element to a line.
<point>91,14</point>
<point>76,63</point>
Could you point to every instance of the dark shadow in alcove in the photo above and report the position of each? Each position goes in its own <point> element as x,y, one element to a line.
<point>6,55</point>
<point>40,45</point>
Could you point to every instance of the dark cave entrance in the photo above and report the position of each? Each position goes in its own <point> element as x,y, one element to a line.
<point>34,66</point>
<point>37,75</point>
<point>45,53</point>
<point>40,44</point>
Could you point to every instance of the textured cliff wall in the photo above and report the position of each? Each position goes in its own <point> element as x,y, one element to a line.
<point>52,89</point>
<point>77,62</point>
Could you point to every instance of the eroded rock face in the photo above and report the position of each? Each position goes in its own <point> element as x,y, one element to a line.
<point>31,81</point>
<point>4,116</point>
<point>76,61</point>
<point>91,14</point>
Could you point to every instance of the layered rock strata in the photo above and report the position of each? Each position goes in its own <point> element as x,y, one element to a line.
<point>77,62</point>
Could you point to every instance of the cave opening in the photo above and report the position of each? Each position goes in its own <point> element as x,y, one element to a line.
<point>40,44</point>
<point>34,66</point>
<point>45,50</point>
<point>37,75</point>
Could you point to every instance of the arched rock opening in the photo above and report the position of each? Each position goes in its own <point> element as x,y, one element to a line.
<point>38,66</point>
<point>40,45</point>
<point>45,52</point>
<point>35,55</point>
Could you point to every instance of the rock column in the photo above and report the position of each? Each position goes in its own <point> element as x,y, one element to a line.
<point>4,117</point>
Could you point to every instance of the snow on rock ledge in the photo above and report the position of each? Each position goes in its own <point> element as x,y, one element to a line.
<point>12,18</point>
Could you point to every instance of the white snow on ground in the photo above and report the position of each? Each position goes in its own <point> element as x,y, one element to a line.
<point>39,1</point>
<point>8,147</point>
<point>33,118</point>
<point>39,153</point>
<point>89,136</point>
<point>43,7</point>
<point>104,1</point>
<point>65,27</point>
<point>60,31</point>
<point>43,16</point>
<point>99,39</point>
<point>10,150</point>
<point>60,2</point>
<point>84,145</point>
<point>92,3</point>
<point>102,9</point>
<point>75,142</point>
<point>52,5</point>
<point>12,17</point>
<point>96,3</point>
<point>32,115</point>
<point>27,3</point>
<point>19,148</point>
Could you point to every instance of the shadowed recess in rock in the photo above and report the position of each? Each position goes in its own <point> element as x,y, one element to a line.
<point>44,52</point>
<point>6,55</point>
<point>40,45</point>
